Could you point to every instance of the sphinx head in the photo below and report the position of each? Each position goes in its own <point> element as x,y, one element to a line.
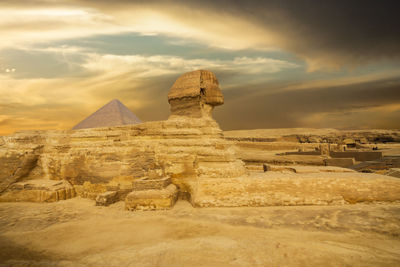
<point>194,94</point>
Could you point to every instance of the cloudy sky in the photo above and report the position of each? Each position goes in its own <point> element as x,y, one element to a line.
<point>303,63</point>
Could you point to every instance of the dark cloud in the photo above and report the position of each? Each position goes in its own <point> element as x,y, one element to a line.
<point>328,33</point>
<point>261,109</point>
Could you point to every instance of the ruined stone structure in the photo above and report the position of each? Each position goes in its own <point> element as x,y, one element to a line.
<point>150,165</point>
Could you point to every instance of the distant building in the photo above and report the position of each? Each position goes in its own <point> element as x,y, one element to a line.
<point>113,113</point>
<point>350,143</point>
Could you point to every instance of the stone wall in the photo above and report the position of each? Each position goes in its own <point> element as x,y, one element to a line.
<point>290,189</point>
<point>357,155</point>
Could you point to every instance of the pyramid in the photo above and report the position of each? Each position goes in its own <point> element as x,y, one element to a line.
<point>114,113</point>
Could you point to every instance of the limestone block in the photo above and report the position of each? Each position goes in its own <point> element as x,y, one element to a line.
<point>281,189</point>
<point>38,191</point>
<point>303,169</point>
<point>147,183</point>
<point>357,155</point>
<point>152,199</point>
<point>106,198</point>
<point>266,146</point>
<point>251,156</point>
<point>221,169</point>
<point>179,165</point>
<point>340,162</point>
<point>89,190</point>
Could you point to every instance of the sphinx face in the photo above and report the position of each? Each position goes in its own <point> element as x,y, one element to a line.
<point>195,94</point>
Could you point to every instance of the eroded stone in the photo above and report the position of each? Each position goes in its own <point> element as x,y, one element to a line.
<point>195,94</point>
<point>38,191</point>
<point>152,199</point>
<point>107,198</point>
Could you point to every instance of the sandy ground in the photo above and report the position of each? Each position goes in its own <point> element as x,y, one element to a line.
<point>77,233</point>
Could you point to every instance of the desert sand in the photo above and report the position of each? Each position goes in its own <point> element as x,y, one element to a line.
<point>74,232</point>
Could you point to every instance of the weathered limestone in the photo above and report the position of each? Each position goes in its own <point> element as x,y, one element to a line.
<point>295,146</point>
<point>304,169</point>
<point>152,199</point>
<point>111,159</point>
<point>146,183</point>
<point>195,94</point>
<point>151,193</point>
<point>107,198</point>
<point>288,189</point>
<point>340,162</point>
<point>16,166</point>
<point>358,155</point>
<point>38,191</point>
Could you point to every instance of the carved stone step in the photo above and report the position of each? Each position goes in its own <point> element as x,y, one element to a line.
<point>148,183</point>
<point>38,191</point>
<point>152,199</point>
